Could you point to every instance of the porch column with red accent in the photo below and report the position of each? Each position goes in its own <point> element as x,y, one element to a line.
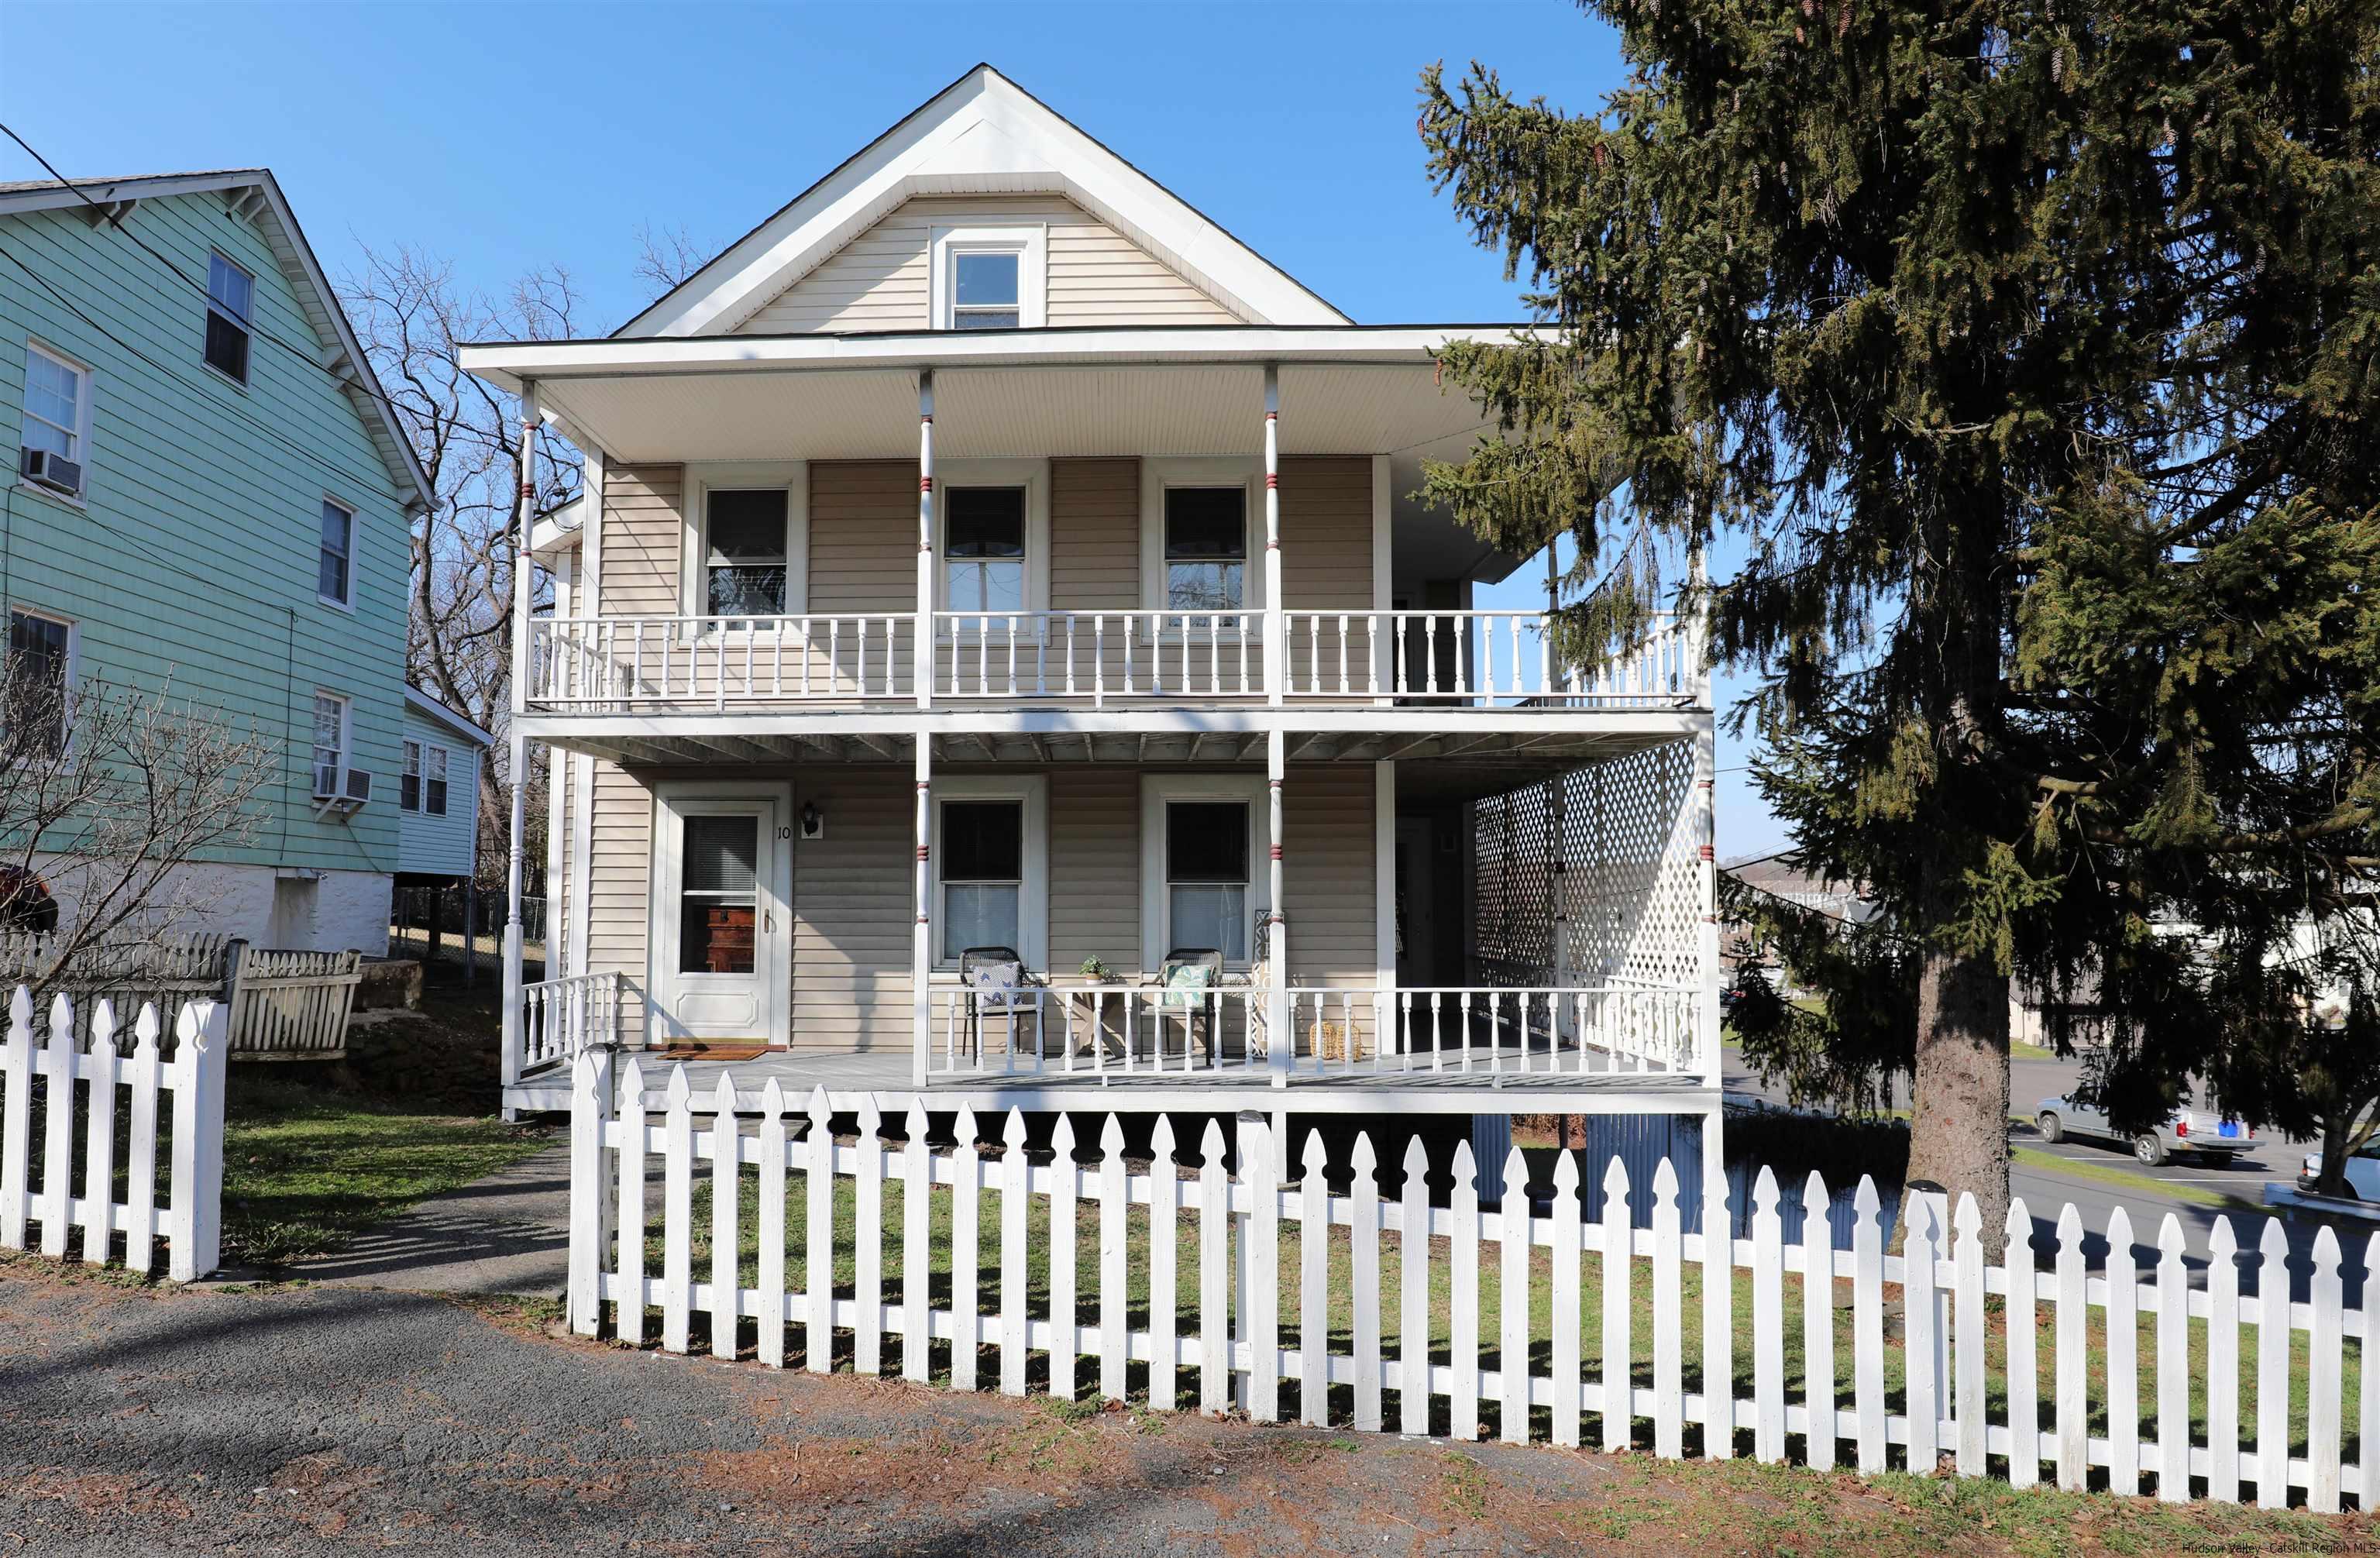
<point>921,666</point>
<point>1285,1043</point>
<point>1275,637</point>
<point>921,950</point>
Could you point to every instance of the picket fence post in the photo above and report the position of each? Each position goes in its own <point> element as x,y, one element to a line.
<point>916,1251</point>
<point>1413,1296</point>
<point>1669,1316</point>
<point>868,1231</point>
<point>1867,1326</point>
<point>1463,1346</point>
<point>16,1119</point>
<point>1164,1276</point>
<point>2223,1364</point>
<point>141,1172</point>
<point>1314,1289</point>
<point>2024,1413</point>
<point>2123,1357</point>
<point>1214,1273</point>
<point>966,1252</point>
<point>1364,1261</point>
<point>201,1052</point>
<point>1818,1323</point>
<point>1918,1344</point>
<point>628,1313</point>
<point>726,1181</point>
<point>2173,1365</point>
<point>771,1232</point>
<point>1619,1346</point>
<point>2073,1402</point>
<point>1015,1194</point>
<point>587,1187</point>
<point>1768,1320</point>
<point>1567,1229</point>
<point>2273,1369</point>
<point>98,1136</point>
<point>1063,1187</point>
<point>1114,1201</point>
<point>57,1122</point>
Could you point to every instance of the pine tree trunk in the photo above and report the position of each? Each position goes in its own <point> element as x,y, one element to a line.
<point>1958,1139</point>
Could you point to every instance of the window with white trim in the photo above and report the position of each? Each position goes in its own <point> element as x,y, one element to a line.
<point>330,758</point>
<point>744,557</point>
<point>57,405</point>
<point>408,786</point>
<point>1206,548</point>
<point>984,549</point>
<point>433,791</point>
<point>982,876</point>
<point>989,276</point>
<point>40,683</point>
<point>335,576</point>
<point>231,296</point>
<point>1207,876</point>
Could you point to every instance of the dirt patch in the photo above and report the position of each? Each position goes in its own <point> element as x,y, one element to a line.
<point>93,1493</point>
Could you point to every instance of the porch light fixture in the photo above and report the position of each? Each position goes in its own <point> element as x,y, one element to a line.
<point>813,825</point>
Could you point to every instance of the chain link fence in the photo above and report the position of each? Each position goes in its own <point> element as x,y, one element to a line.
<point>460,929</point>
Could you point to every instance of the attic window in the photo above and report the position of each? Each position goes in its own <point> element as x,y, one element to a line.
<point>989,277</point>
<point>231,294</point>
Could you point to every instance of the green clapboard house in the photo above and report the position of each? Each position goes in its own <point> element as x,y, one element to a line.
<point>209,494</point>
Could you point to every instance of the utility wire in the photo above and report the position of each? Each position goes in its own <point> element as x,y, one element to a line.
<point>346,473</point>
<point>312,357</point>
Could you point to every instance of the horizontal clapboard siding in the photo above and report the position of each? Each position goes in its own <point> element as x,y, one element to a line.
<point>1094,535</point>
<point>198,488</point>
<point>851,909</point>
<point>880,280</point>
<point>863,536</point>
<point>644,529</point>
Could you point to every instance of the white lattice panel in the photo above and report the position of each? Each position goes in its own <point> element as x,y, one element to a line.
<point>1621,840</point>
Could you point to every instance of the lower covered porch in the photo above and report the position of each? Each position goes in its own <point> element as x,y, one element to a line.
<point>1358,926</point>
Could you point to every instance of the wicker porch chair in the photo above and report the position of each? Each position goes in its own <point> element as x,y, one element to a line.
<point>1016,997</point>
<point>1200,1018</point>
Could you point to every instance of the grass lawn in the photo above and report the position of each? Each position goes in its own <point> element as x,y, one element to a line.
<point>1038,1301</point>
<point>314,1154</point>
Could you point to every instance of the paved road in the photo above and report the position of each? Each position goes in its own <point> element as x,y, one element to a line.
<point>2045,1192</point>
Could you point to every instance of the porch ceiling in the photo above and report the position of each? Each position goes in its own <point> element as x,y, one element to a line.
<point>1444,765</point>
<point>1056,393</point>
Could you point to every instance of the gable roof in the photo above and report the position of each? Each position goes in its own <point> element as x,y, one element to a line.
<point>982,134</point>
<point>418,700</point>
<point>256,189</point>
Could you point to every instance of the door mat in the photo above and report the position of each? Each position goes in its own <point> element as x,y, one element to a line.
<point>717,1049</point>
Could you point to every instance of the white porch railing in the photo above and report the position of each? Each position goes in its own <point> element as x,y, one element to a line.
<point>594,664</point>
<point>1443,659</point>
<point>1333,1031</point>
<point>1102,656</point>
<point>1480,659</point>
<point>561,1017</point>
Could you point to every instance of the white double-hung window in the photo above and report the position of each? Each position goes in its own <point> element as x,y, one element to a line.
<point>990,855</point>
<point>992,276</point>
<point>983,549</point>
<point>57,404</point>
<point>330,742</point>
<point>1201,838</point>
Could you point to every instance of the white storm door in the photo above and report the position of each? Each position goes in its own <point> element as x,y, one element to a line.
<point>720,922</point>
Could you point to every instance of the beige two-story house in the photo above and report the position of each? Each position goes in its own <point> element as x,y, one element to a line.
<point>1000,654</point>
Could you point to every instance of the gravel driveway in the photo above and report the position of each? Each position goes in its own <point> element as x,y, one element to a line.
<point>141,1420</point>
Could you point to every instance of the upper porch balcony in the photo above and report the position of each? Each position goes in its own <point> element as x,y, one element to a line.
<point>1440,660</point>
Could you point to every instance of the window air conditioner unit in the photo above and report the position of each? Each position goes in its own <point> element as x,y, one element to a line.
<point>358,788</point>
<point>52,470</point>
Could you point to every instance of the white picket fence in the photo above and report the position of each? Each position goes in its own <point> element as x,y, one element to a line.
<point>1242,1348</point>
<point>49,1089</point>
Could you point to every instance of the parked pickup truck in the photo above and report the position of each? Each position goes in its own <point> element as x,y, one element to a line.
<point>2202,1131</point>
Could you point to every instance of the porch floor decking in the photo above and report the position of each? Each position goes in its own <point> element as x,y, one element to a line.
<point>851,1077</point>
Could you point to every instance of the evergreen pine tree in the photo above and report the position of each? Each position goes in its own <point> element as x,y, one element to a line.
<point>2031,350</point>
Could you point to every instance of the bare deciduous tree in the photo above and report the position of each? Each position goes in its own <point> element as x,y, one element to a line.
<point>413,317</point>
<point>666,257</point>
<point>109,795</point>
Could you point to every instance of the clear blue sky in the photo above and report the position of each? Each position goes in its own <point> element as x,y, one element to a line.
<point>503,138</point>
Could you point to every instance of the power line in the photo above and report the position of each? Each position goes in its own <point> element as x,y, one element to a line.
<point>348,473</point>
<point>312,359</point>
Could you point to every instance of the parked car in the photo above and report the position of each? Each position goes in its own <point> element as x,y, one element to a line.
<point>2362,1172</point>
<point>2211,1136</point>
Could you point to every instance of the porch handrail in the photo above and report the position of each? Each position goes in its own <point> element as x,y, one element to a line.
<point>1479,658</point>
<point>1497,1030</point>
<point>1101,656</point>
<point>562,1017</point>
<point>582,663</point>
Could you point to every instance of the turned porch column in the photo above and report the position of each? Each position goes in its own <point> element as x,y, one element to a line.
<point>921,662</point>
<point>1285,1043</point>
<point>1276,626</point>
<point>921,949</point>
